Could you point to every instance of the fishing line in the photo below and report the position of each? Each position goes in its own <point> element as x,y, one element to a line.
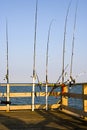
<point>73,40</point>
<point>64,40</point>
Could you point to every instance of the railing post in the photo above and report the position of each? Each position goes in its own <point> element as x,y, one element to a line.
<point>85,100</point>
<point>8,99</point>
<point>46,97</point>
<point>64,98</point>
<point>33,96</point>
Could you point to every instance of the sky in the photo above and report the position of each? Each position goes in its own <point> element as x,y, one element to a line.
<point>20,15</point>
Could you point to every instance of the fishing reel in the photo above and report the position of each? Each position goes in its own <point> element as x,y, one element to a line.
<point>70,82</point>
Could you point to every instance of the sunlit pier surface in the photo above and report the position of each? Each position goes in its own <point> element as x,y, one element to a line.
<point>40,120</point>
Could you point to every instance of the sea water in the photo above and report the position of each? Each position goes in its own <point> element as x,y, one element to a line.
<point>72,102</point>
<point>75,102</point>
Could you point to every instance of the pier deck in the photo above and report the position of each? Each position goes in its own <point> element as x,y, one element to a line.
<point>40,120</point>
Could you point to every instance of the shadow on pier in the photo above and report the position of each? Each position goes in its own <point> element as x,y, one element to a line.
<point>40,120</point>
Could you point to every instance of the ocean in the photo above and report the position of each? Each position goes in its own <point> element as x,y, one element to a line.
<point>72,102</point>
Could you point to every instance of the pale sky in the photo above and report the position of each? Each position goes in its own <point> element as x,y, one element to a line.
<point>21,19</point>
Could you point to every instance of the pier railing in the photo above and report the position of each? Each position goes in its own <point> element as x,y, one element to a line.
<point>72,99</point>
<point>9,99</point>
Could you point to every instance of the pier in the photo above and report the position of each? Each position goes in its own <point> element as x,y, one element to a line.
<point>40,120</point>
<point>60,115</point>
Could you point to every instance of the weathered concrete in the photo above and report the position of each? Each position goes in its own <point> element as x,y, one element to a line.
<point>40,120</point>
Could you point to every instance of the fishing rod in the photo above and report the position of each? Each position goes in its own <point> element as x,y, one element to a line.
<point>57,82</point>
<point>7,74</point>
<point>62,73</point>
<point>39,83</point>
<point>73,39</point>
<point>7,101</point>
<point>34,58</point>
<point>63,58</point>
<point>47,63</point>
<point>64,40</point>
<point>48,50</point>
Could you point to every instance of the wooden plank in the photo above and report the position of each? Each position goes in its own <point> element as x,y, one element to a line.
<point>42,84</point>
<point>51,106</point>
<point>38,106</point>
<point>8,98</point>
<point>74,110</point>
<point>85,100</point>
<point>26,107</point>
<point>40,120</point>
<point>29,94</point>
<point>75,95</point>
<point>16,94</point>
<point>21,94</point>
<point>30,84</point>
<point>64,100</point>
<point>20,107</point>
<point>16,84</point>
<point>3,108</point>
<point>54,106</point>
